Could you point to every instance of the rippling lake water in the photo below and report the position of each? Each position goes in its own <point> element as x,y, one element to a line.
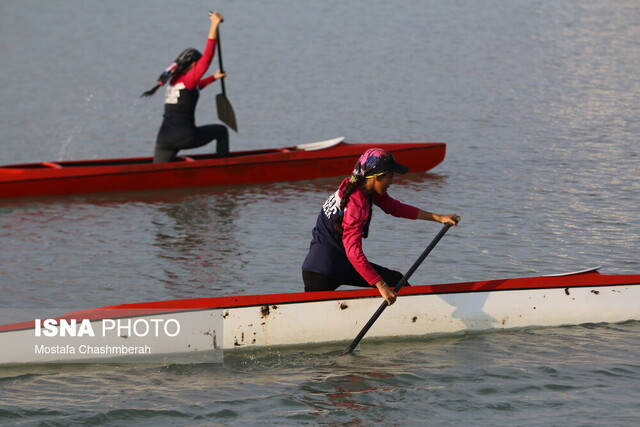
<point>538,102</point>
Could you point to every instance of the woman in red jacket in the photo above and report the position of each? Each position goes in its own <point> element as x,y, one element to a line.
<point>335,255</point>
<point>178,130</point>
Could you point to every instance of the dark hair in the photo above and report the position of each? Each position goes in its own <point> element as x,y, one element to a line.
<point>177,67</point>
<point>351,186</point>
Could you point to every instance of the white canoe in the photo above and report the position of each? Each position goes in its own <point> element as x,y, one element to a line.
<point>199,330</point>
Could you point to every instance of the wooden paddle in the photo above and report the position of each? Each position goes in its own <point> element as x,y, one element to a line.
<point>225,110</point>
<point>399,286</point>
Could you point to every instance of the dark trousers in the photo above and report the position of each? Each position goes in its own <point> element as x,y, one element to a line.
<point>314,282</point>
<point>166,151</point>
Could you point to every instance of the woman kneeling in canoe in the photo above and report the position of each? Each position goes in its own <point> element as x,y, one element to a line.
<point>335,256</point>
<point>178,130</point>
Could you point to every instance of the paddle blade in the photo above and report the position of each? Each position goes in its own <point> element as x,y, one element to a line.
<point>225,112</point>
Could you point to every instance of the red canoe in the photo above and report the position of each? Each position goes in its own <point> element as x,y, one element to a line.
<point>307,161</point>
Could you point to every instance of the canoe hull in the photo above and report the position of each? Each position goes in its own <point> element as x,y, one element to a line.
<point>210,326</point>
<point>424,315</point>
<point>287,164</point>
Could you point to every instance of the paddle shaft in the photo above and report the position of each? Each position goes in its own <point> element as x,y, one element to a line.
<point>224,92</point>
<point>399,286</point>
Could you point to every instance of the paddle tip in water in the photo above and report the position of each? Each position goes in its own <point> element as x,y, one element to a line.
<point>347,351</point>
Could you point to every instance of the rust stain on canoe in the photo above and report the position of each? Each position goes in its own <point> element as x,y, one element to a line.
<point>213,336</point>
<point>265,310</point>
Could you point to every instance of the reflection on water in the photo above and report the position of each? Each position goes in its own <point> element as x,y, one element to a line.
<point>196,237</point>
<point>359,395</point>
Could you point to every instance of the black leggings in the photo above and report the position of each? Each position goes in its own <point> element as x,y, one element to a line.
<point>166,151</point>
<point>319,282</point>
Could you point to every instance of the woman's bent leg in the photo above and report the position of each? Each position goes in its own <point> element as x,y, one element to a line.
<point>206,134</point>
<point>319,282</point>
<point>162,155</point>
<point>391,277</point>
<point>314,282</point>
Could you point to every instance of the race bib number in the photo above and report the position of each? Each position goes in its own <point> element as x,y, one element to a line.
<point>173,93</point>
<point>332,205</point>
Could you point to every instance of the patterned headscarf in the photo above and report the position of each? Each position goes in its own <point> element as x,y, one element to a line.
<point>376,162</point>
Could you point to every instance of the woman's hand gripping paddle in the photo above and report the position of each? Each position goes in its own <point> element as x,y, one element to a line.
<point>225,110</point>
<point>399,286</point>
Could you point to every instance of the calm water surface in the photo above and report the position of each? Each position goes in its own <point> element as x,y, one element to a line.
<point>538,102</point>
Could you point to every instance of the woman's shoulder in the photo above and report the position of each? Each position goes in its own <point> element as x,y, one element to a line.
<point>359,203</point>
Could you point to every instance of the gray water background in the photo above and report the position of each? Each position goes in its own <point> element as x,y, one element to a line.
<point>538,102</point>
